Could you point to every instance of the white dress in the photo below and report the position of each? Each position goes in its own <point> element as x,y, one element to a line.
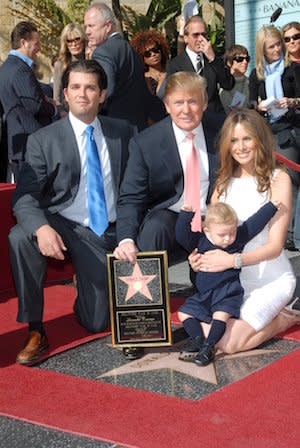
<point>268,285</point>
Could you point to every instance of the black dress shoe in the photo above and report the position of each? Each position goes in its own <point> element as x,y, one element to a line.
<point>133,352</point>
<point>191,348</point>
<point>205,356</point>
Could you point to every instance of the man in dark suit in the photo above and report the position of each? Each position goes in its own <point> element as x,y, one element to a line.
<point>25,106</point>
<point>152,191</point>
<point>200,57</point>
<point>127,94</point>
<point>54,207</point>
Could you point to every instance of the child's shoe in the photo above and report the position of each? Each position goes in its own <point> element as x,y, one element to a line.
<point>205,356</point>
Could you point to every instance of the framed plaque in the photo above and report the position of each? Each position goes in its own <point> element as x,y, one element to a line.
<point>139,300</point>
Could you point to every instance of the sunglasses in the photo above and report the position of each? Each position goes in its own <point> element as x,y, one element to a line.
<point>149,52</point>
<point>295,37</point>
<point>196,35</point>
<point>74,41</point>
<point>241,58</point>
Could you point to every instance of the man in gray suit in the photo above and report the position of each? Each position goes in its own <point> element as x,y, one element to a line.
<point>52,206</point>
<point>127,94</point>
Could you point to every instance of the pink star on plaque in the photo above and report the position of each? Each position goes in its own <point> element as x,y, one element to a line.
<point>137,282</point>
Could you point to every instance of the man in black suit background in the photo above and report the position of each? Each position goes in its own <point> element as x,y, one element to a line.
<point>200,57</point>
<point>25,106</point>
<point>152,191</point>
<point>127,95</point>
<point>52,206</point>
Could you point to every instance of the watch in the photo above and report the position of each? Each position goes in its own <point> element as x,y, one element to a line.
<point>238,261</point>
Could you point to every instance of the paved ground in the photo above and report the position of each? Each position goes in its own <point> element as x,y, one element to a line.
<point>100,359</point>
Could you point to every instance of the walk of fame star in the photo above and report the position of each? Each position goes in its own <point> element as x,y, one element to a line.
<point>167,358</point>
<point>137,282</point>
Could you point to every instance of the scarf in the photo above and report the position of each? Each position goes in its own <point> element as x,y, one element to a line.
<point>273,82</point>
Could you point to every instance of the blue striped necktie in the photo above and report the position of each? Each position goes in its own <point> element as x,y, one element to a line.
<point>98,220</point>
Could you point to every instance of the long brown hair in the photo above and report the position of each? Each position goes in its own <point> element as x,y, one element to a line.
<point>264,161</point>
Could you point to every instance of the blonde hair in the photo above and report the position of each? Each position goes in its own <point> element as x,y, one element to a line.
<point>284,29</point>
<point>70,31</point>
<point>220,213</point>
<point>264,33</point>
<point>264,159</point>
<point>187,82</point>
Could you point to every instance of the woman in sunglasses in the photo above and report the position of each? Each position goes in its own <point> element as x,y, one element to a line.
<point>272,91</point>
<point>237,59</point>
<point>153,49</point>
<point>72,47</point>
<point>291,36</point>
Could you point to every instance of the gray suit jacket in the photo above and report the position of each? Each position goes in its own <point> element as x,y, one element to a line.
<point>50,176</point>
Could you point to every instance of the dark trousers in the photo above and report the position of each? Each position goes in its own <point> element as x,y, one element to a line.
<point>88,254</point>
<point>157,232</point>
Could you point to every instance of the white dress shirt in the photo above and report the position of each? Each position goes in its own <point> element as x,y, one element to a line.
<point>183,145</point>
<point>193,57</point>
<point>78,210</point>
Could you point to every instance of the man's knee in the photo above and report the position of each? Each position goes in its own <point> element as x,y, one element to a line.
<point>157,231</point>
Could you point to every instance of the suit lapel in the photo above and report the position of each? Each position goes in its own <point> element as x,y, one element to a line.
<point>170,153</point>
<point>187,63</point>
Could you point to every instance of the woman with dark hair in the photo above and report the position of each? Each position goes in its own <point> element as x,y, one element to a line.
<point>249,176</point>
<point>237,59</point>
<point>153,49</point>
<point>72,47</point>
<point>291,37</point>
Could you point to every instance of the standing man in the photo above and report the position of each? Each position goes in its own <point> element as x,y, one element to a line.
<point>199,57</point>
<point>25,107</point>
<point>65,200</point>
<point>127,94</point>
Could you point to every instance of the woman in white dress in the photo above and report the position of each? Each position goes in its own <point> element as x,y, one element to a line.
<point>248,177</point>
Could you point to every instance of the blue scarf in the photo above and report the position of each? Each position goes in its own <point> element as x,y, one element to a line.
<point>273,82</point>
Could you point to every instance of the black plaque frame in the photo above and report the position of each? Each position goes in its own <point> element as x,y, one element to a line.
<point>143,319</point>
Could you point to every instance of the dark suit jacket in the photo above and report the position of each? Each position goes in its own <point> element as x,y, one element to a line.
<point>24,104</point>
<point>214,72</point>
<point>154,177</point>
<point>127,95</point>
<point>51,172</point>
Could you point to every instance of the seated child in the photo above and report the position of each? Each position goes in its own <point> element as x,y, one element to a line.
<point>220,294</point>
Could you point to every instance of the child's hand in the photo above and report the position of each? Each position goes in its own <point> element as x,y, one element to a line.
<point>277,204</point>
<point>187,208</point>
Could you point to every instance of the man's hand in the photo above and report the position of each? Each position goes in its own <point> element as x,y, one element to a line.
<point>126,251</point>
<point>207,49</point>
<point>50,242</point>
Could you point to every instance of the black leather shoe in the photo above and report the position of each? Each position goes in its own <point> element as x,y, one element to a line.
<point>191,348</point>
<point>133,353</point>
<point>205,356</point>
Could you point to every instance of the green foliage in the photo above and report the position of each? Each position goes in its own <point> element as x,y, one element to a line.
<point>76,9</point>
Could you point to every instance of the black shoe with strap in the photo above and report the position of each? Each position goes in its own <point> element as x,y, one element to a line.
<point>191,348</point>
<point>206,355</point>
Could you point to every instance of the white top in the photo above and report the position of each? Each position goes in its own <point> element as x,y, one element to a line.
<point>268,285</point>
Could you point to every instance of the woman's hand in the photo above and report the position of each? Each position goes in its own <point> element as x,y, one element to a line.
<point>194,260</point>
<point>216,261</point>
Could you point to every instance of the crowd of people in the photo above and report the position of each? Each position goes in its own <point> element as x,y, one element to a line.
<point>129,153</point>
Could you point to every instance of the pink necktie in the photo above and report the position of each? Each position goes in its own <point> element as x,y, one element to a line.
<point>192,184</point>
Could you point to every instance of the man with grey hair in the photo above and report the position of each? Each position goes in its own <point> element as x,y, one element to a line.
<point>127,94</point>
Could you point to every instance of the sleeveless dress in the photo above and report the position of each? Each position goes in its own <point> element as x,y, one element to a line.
<point>268,285</point>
